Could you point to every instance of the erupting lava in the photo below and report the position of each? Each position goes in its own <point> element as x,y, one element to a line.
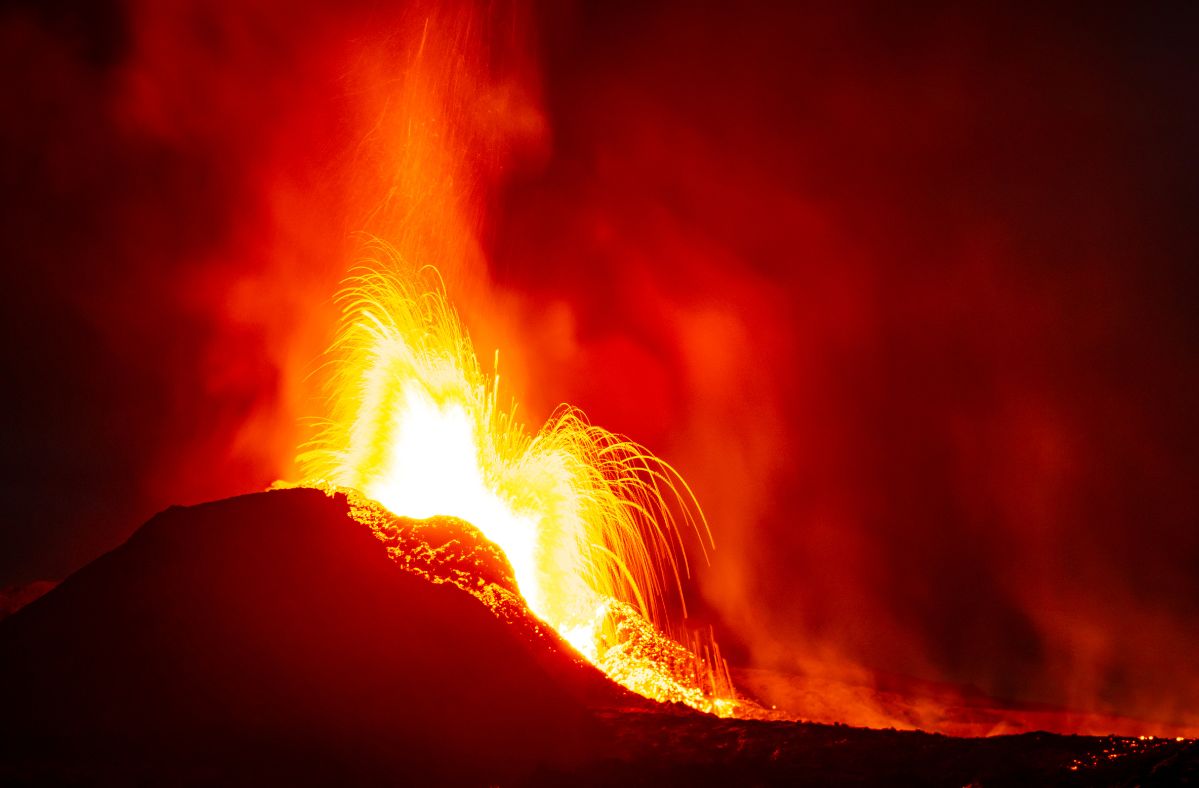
<point>590,522</point>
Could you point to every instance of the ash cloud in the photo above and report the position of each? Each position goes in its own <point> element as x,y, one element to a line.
<point>183,185</point>
<point>908,297</point>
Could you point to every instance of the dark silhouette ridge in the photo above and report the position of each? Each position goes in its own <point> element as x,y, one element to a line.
<point>269,639</point>
<point>271,633</point>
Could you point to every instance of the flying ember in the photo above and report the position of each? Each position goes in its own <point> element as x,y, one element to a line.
<point>590,522</point>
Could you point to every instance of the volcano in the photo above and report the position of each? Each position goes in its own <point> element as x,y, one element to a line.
<point>272,637</point>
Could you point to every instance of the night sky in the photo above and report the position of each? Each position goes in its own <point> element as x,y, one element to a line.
<point>911,299</point>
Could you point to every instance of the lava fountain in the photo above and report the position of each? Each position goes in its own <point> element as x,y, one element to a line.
<point>591,522</point>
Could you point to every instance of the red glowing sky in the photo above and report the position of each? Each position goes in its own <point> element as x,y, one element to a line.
<point>908,297</point>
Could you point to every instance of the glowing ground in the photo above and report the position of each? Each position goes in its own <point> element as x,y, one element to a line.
<point>272,638</point>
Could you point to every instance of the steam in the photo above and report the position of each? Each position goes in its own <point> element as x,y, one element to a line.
<point>907,303</point>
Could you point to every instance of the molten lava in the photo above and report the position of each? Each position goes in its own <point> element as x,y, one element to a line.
<point>590,522</point>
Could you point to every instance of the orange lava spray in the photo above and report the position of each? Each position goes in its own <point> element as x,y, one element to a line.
<point>590,521</point>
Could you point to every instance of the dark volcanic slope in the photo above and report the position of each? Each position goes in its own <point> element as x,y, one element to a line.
<point>272,633</point>
<point>269,638</point>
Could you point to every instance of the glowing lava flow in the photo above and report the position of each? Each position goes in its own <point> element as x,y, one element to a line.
<point>590,522</point>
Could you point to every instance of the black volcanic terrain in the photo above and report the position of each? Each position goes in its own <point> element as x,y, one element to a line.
<point>271,639</point>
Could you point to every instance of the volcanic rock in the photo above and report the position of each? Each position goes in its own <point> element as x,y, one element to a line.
<point>275,638</point>
<point>271,637</point>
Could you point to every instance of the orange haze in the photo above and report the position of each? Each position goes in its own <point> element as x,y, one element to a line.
<point>900,296</point>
